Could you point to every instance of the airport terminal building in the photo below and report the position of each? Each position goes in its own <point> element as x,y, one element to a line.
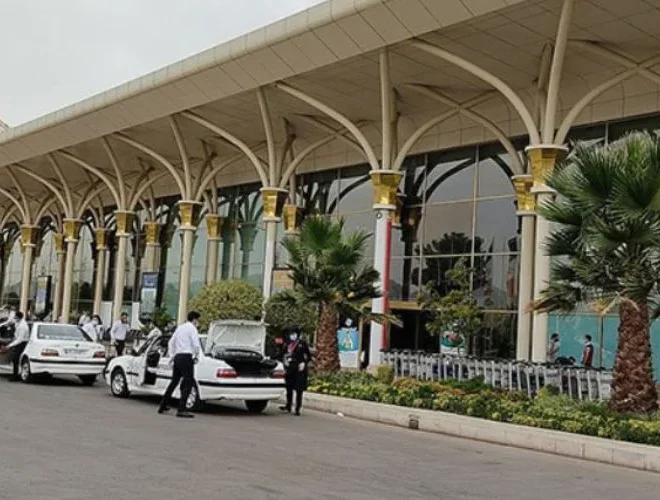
<point>430,123</point>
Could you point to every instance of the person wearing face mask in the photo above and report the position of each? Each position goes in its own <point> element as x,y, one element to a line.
<point>91,328</point>
<point>184,349</point>
<point>296,364</point>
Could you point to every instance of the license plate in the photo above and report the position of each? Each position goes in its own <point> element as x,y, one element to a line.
<point>75,351</point>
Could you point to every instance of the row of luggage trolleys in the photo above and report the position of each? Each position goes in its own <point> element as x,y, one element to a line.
<point>577,382</point>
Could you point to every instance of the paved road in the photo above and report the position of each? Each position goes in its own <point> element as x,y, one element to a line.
<point>63,441</point>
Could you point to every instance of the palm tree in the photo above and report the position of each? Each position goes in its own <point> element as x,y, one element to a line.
<point>606,246</point>
<point>327,270</point>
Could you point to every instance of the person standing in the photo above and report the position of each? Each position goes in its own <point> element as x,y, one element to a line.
<point>21,338</point>
<point>91,328</point>
<point>296,364</point>
<point>552,351</point>
<point>184,350</point>
<point>118,333</point>
<point>588,352</point>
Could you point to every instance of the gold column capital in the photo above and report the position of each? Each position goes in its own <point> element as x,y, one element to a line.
<point>29,236</point>
<point>522,184</point>
<point>124,222</point>
<point>385,184</point>
<point>292,218</point>
<point>214,225</point>
<point>189,212</point>
<point>273,201</point>
<point>152,233</point>
<point>543,159</point>
<point>101,238</point>
<point>71,230</point>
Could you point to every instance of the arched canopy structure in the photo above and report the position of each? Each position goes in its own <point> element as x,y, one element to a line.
<point>368,86</point>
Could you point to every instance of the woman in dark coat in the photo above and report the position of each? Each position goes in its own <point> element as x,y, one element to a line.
<point>296,364</point>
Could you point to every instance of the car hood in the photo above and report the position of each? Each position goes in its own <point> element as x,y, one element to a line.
<point>236,334</point>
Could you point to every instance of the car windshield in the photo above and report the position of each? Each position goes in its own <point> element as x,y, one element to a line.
<point>61,332</point>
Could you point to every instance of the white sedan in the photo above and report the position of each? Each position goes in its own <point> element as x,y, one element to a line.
<point>232,367</point>
<point>57,349</point>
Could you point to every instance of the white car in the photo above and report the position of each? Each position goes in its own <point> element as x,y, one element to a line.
<point>57,349</point>
<point>232,367</point>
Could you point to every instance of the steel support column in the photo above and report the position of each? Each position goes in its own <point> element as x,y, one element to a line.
<point>100,235</point>
<point>273,201</point>
<point>213,238</point>
<point>71,229</point>
<point>122,233</point>
<point>526,206</point>
<point>189,212</point>
<point>29,236</point>
<point>59,283</point>
<point>542,159</point>
<point>152,251</point>
<point>385,184</point>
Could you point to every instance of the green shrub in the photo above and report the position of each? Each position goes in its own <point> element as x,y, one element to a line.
<point>476,399</point>
<point>385,374</point>
<point>161,317</point>
<point>227,300</point>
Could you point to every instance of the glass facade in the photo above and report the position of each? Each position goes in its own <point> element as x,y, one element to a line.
<point>456,204</point>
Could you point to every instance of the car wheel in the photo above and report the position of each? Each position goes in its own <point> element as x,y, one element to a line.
<point>119,384</point>
<point>194,403</point>
<point>257,406</point>
<point>87,379</point>
<point>26,371</point>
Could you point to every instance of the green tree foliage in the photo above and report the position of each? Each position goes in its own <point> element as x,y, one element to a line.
<point>606,247</point>
<point>328,271</point>
<point>227,300</point>
<point>456,310</point>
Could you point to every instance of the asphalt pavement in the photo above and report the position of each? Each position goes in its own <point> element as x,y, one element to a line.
<point>62,441</point>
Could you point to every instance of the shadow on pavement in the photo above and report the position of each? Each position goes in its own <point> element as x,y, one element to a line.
<point>49,380</point>
<point>224,408</point>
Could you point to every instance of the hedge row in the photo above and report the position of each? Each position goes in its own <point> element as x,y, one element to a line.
<point>476,399</point>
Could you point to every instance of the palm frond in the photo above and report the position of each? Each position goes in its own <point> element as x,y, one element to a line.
<point>606,241</point>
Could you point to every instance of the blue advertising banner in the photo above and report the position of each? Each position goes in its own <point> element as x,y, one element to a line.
<point>348,343</point>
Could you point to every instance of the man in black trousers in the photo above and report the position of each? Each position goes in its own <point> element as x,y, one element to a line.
<point>21,339</point>
<point>184,350</point>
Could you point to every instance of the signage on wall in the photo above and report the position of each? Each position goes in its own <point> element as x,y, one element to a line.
<point>348,344</point>
<point>149,293</point>
<point>42,299</point>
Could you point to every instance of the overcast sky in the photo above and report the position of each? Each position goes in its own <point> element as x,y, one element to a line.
<point>56,52</point>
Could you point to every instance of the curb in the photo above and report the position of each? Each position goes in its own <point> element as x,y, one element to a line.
<point>607,451</point>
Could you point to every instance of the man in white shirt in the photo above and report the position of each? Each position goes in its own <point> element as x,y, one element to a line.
<point>91,328</point>
<point>21,338</point>
<point>118,333</point>
<point>184,349</point>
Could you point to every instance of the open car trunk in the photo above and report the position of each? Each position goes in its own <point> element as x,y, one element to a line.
<point>241,345</point>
